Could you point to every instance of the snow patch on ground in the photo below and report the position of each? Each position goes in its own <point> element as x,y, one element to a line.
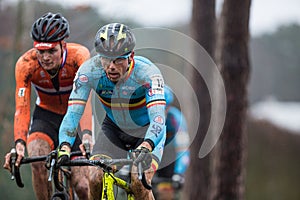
<point>283,114</point>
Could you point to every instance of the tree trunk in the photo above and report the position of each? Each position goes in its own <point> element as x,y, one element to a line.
<point>230,154</point>
<point>203,31</point>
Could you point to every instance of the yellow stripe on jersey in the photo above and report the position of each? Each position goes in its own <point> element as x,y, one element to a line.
<point>76,102</point>
<point>121,105</point>
<point>153,103</point>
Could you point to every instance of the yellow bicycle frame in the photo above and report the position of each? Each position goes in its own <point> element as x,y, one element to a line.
<point>108,182</point>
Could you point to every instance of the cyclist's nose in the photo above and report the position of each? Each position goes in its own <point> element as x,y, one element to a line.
<point>112,65</point>
<point>46,56</point>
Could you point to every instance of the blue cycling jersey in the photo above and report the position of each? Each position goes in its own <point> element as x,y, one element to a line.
<point>177,135</point>
<point>136,100</point>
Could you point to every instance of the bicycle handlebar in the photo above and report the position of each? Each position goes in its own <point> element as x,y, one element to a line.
<point>106,165</point>
<point>50,163</point>
<point>87,148</point>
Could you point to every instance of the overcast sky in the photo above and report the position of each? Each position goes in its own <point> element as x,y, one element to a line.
<point>266,15</point>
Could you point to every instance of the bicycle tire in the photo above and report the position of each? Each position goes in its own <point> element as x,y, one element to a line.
<point>57,180</point>
<point>60,196</point>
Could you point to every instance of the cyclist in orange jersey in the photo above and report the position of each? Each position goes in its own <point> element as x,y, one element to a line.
<point>49,68</point>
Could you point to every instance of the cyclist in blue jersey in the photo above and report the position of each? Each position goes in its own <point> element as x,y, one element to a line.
<point>131,91</point>
<point>176,158</point>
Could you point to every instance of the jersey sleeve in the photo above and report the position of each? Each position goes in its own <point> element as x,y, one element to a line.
<point>76,105</point>
<point>82,55</point>
<point>22,101</point>
<point>181,143</point>
<point>155,102</point>
<point>86,119</point>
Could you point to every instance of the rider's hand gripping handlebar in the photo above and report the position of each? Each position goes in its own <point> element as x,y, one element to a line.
<point>15,171</point>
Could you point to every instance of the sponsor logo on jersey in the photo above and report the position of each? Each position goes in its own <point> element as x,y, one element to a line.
<point>21,92</point>
<point>42,74</point>
<point>106,92</point>
<point>159,119</point>
<point>64,72</point>
<point>157,84</point>
<point>83,78</point>
<point>150,93</point>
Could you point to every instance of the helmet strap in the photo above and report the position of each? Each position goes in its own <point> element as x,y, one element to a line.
<point>63,46</point>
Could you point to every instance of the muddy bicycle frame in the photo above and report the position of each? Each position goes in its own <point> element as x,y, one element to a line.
<point>109,179</point>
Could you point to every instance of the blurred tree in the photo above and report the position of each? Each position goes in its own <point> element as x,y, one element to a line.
<point>203,31</point>
<point>230,153</point>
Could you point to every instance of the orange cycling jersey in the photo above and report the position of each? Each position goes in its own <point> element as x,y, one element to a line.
<point>29,73</point>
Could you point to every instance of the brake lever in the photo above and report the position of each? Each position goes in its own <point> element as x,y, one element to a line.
<point>87,148</point>
<point>140,171</point>
<point>13,158</point>
<point>15,171</point>
<point>142,177</point>
<point>52,164</point>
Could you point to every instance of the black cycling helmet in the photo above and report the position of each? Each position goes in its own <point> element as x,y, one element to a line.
<point>114,40</point>
<point>50,28</point>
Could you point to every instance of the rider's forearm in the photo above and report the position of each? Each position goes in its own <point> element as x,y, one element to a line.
<point>76,106</point>
<point>21,124</point>
<point>22,101</point>
<point>156,128</point>
<point>68,128</point>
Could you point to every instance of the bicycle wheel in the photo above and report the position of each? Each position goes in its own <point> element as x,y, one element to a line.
<point>60,196</point>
